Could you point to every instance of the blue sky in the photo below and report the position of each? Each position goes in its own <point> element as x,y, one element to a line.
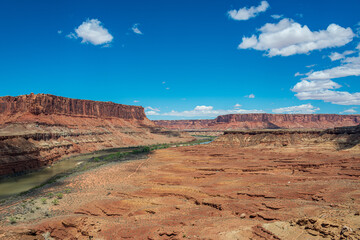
<point>189,58</point>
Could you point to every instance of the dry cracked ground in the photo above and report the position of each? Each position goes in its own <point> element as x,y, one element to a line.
<point>204,192</point>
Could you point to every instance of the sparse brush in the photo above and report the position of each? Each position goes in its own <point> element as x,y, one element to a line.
<point>50,195</point>
<point>67,190</point>
<point>59,195</point>
<point>12,220</point>
<point>55,202</point>
<point>43,200</point>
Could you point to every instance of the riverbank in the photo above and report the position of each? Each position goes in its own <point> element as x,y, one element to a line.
<point>13,189</point>
<point>201,192</point>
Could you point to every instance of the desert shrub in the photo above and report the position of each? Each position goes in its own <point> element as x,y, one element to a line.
<point>55,201</point>
<point>43,200</point>
<point>12,220</point>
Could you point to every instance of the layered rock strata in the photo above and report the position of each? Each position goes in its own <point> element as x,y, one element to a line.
<point>337,138</point>
<point>263,121</point>
<point>36,130</point>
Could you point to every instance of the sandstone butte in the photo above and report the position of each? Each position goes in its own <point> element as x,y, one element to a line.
<point>264,184</point>
<point>263,121</point>
<point>36,130</point>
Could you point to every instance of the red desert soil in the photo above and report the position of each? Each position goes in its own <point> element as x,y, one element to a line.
<point>214,191</point>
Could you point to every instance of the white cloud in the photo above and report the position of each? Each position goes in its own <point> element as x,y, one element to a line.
<point>250,96</point>
<point>152,109</point>
<point>319,85</point>
<point>350,67</point>
<point>203,111</point>
<point>237,106</point>
<point>299,74</point>
<point>247,13</point>
<point>92,31</point>
<point>305,108</point>
<point>287,38</point>
<point>277,16</point>
<point>349,111</point>
<point>337,56</point>
<point>135,29</point>
<point>167,88</point>
<point>311,86</point>
<point>71,36</point>
<point>136,101</point>
<point>335,97</point>
<point>59,32</point>
<point>310,66</point>
<point>152,113</point>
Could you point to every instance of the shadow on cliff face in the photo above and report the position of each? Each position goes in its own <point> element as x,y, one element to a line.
<point>348,138</point>
<point>350,141</point>
<point>18,155</point>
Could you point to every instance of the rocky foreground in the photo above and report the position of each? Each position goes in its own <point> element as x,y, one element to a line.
<point>223,190</point>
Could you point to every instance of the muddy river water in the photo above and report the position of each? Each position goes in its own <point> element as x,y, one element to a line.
<point>18,184</point>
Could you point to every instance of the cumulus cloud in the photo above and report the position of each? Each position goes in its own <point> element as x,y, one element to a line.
<point>310,66</point>
<point>299,74</point>
<point>135,29</point>
<point>337,56</point>
<point>247,13</point>
<point>305,108</point>
<point>152,109</point>
<point>92,31</point>
<point>319,85</point>
<point>152,113</point>
<point>335,97</point>
<point>348,111</point>
<point>250,96</point>
<point>203,111</point>
<point>277,16</point>
<point>350,66</point>
<point>237,106</point>
<point>311,86</point>
<point>287,38</point>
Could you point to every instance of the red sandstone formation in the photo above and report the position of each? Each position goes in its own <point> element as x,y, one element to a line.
<point>263,120</point>
<point>36,130</point>
<point>221,190</point>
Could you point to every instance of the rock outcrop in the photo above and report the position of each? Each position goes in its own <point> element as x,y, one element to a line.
<point>336,138</point>
<point>263,121</point>
<point>36,130</point>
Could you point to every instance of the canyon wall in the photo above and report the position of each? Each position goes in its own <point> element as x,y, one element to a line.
<point>263,121</point>
<point>335,138</point>
<point>36,130</point>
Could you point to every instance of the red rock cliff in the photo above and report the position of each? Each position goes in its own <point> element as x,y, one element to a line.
<point>264,120</point>
<point>36,130</point>
<point>50,104</point>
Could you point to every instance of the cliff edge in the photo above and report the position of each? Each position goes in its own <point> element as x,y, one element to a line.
<point>263,121</point>
<point>36,130</point>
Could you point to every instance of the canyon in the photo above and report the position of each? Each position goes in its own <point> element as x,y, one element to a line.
<point>262,121</point>
<point>266,176</point>
<point>37,130</point>
<point>264,184</point>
